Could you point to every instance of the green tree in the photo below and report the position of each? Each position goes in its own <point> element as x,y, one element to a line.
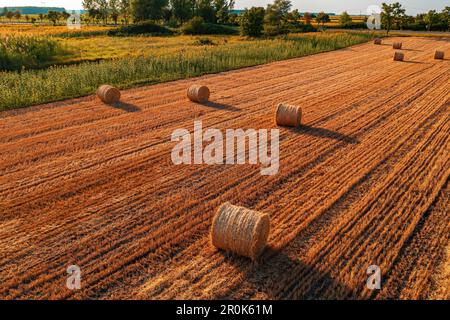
<point>398,15</point>
<point>446,16</point>
<point>182,10</point>
<point>222,9</point>
<point>322,18</point>
<point>276,18</point>
<point>148,9</point>
<point>392,15</point>
<point>387,16</point>
<point>65,15</point>
<point>102,7</point>
<point>252,22</point>
<point>431,18</point>
<point>205,10</point>
<point>345,19</point>
<point>90,7</point>
<point>124,10</point>
<point>294,21</point>
<point>10,15</point>
<point>17,15</point>
<point>114,10</point>
<point>53,16</point>
<point>295,15</point>
<point>233,19</point>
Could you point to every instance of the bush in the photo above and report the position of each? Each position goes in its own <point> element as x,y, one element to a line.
<point>211,28</point>
<point>309,28</point>
<point>204,42</point>
<point>145,27</point>
<point>277,29</point>
<point>440,26</point>
<point>197,26</point>
<point>193,26</point>
<point>299,27</point>
<point>416,27</point>
<point>350,25</point>
<point>19,52</point>
<point>252,22</point>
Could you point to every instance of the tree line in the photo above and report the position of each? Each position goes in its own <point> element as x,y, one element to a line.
<point>172,12</point>
<point>52,16</point>
<point>276,18</point>
<point>393,16</point>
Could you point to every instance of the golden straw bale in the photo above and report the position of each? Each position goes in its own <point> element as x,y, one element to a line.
<point>439,55</point>
<point>108,94</point>
<point>397,45</point>
<point>288,115</point>
<point>377,41</point>
<point>399,56</point>
<point>198,93</point>
<point>240,230</point>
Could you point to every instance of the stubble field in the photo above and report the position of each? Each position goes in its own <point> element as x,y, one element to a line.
<point>363,182</point>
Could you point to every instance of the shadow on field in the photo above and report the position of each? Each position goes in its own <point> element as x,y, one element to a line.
<point>416,50</point>
<point>221,106</point>
<point>277,276</point>
<point>325,133</point>
<point>415,62</point>
<point>128,107</point>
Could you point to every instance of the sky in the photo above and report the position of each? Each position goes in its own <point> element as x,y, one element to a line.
<point>337,6</point>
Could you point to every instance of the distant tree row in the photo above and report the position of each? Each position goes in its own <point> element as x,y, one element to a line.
<point>107,10</point>
<point>11,14</point>
<point>169,11</point>
<point>277,18</point>
<point>393,16</point>
<point>52,16</point>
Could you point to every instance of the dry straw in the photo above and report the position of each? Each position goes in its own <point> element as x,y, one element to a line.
<point>397,45</point>
<point>198,93</point>
<point>439,55</point>
<point>288,115</point>
<point>399,56</point>
<point>108,94</point>
<point>240,230</point>
<point>377,41</point>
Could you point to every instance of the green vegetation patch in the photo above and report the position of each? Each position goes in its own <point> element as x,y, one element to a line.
<point>62,82</point>
<point>23,52</point>
<point>146,27</point>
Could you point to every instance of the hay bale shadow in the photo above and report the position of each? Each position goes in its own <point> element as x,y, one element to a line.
<point>416,50</point>
<point>324,133</point>
<point>414,62</point>
<point>221,106</point>
<point>277,276</point>
<point>128,107</point>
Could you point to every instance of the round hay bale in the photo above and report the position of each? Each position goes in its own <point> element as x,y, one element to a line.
<point>439,55</point>
<point>108,94</point>
<point>397,45</point>
<point>377,41</point>
<point>399,56</point>
<point>240,230</point>
<point>288,115</point>
<point>198,93</point>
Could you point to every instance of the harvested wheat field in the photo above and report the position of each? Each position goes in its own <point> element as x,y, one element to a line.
<point>363,182</point>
